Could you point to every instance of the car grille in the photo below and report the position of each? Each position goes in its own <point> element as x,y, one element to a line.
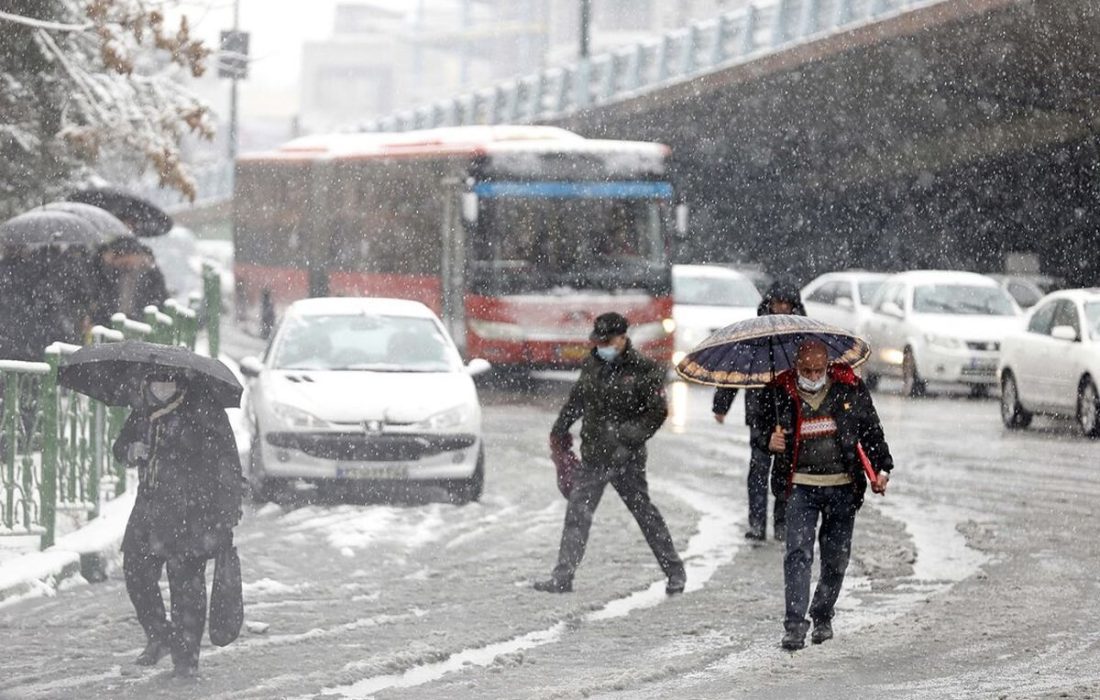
<point>370,448</point>
<point>990,346</point>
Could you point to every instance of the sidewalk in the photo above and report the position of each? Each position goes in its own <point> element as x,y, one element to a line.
<point>83,556</point>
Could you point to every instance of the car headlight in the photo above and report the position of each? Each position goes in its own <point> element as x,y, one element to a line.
<point>943,341</point>
<point>446,420</point>
<point>496,330</point>
<point>649,332</point>
<point>294,417</point>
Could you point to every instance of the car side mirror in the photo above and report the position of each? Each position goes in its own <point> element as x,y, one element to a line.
<point>845,303</point>
<point>478,366</point>
<point>251,367</point>
<point>891,308</point>
<point>1064,333</point>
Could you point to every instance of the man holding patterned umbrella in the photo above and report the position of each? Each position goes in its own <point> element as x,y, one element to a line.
<point>818,418</point>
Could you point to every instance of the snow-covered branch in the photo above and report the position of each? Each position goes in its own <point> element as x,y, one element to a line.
<point>43,24</point>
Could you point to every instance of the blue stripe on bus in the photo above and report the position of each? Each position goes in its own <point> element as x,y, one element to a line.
<point>562,190</point>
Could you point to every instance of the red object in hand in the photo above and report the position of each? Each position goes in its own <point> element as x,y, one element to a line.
<point>866,462</point>
<point>565,461</point>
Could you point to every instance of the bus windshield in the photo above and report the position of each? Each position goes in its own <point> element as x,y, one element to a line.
<point>570,241</point>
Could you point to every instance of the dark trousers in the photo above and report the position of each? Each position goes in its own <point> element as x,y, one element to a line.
<point>187,588</point>
<point>630,482</point>
<point>835,506</point>
<point>760,464</point>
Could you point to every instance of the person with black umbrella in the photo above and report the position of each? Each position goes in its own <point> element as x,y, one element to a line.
<point>781,298</point>
<point>620,399</point>
<point>188,501</point>
<point>190,487</point>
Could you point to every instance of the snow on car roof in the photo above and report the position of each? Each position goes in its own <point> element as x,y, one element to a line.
<point>946,277</point>
<point>335,306</point>
<point>707,271</point>
<point>460,139</point>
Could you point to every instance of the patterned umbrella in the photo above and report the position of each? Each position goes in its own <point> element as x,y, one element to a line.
<point>750,353</point>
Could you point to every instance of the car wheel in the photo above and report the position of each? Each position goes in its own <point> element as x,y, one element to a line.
<point>262,488</point>
<point>468,490</point>
<point>913,384</point>
<point>1013,415</point>
<point>1088,408</point>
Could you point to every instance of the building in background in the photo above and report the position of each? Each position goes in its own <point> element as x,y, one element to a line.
<point>388,55</point>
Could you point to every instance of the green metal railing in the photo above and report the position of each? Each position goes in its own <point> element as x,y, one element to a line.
<point>55,443</point>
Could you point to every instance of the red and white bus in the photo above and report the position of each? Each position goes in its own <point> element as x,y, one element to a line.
<point>517,236</point>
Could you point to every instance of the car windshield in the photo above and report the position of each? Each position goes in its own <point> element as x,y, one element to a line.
<point>1092,318</point>
<point>962,299</point>
<point>378,343</point>
<point>867,290</point>
<point>713,290</point>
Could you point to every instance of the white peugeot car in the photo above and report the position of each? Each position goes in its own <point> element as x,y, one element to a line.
<point>842,299</point>
<point>706,298</point>
<point>357,390</point>
<point>938,326</point>
<point>1053,364</point>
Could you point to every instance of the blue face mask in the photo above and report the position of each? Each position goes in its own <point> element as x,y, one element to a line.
<point>607,353</point>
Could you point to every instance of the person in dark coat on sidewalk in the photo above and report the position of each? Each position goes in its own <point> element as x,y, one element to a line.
<point>188,501</point>
<point>816,419</point>
<point>781,298</point>
<point>126,279</point>
<point>620,399</point>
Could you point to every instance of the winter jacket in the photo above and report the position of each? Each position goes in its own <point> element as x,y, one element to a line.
<point>621,404</point>
<point>857,422</point>
<point>190,486</point>
<point>723,397</point>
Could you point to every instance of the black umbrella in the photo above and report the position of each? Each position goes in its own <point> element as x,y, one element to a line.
<point>104,221</point>
<point>112,372</point>
<point>752,352</point>
<point>142,216</point>
<point>36,228</point>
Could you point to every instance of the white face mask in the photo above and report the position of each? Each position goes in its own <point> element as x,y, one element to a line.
<point>162,391</point>
<point>811,386</point>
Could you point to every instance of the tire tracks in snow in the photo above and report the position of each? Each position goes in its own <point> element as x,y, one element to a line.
<point>714,544</point>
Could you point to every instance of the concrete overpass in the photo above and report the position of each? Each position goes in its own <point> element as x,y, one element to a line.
<point>813,134</point>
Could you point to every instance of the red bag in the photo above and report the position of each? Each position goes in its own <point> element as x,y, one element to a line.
<point>565,461</point>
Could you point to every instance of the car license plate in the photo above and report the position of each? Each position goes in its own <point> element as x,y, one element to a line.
<point>352,470</point>
<point>981,364</point>
<point>573,352</point>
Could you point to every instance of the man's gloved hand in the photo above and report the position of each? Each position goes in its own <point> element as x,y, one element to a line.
<point>137,452</point>
<point>561,442</point>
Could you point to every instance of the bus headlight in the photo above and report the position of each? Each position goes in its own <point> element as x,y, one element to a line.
<point>495,330</point>
<point>669,324</point>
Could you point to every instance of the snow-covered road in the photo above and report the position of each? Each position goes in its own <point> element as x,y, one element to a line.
<point>977,576</point>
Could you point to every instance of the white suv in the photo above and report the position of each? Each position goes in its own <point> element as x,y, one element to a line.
<point>938,326</point>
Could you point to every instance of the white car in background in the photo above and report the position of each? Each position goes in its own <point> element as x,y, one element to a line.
<point>358,390</point>
<point>706,298</point>
<point>1053,364</point>
<point>842,299</point>
<point>938,326</point>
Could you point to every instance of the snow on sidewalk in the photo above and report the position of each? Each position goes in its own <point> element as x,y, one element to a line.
<point>42,573</point>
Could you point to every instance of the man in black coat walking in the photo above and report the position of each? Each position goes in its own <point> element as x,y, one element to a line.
<point>620,399</point>
<point>817,419</point>
<point>781,298</point>
<point>188,501</point>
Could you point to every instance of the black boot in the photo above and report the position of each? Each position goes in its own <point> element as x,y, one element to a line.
<point>793,640</point>
<point>676,582</point>
<point>185,653</point>
<point>553,585</point>
<point>823,632</point>
<point>154,651</point>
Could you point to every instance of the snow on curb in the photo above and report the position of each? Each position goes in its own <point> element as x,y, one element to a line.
<point>85,553</point>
